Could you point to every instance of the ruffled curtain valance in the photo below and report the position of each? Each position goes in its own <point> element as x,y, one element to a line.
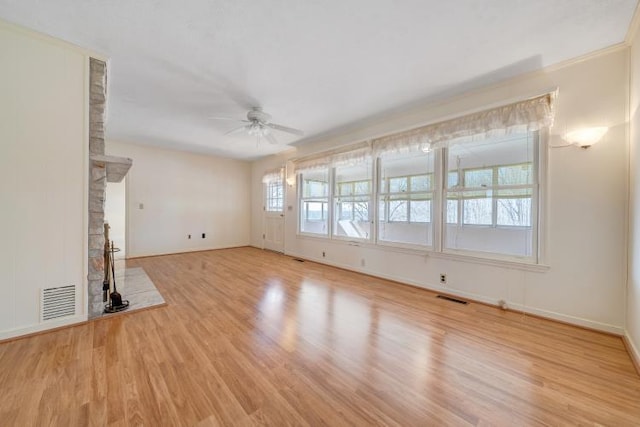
<point>354,154</point>
<point>273,175</point>
<point>524,116</point>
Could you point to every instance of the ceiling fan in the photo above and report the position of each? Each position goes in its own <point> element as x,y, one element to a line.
<point>258,124</point>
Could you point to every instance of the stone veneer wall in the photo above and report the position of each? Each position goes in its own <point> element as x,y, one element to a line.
<point>97,184</point>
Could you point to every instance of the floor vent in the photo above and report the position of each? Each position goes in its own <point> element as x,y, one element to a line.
<point>57,302</point>
<point>298,259</point>
<point>459,301</point>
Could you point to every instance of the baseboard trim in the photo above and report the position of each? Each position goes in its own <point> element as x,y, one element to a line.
<point>633,351</point>
<point>569,320</point>
<point>69,322</point>
<point>41,328</point>
<point>186,251</point>
<point>558,317</point>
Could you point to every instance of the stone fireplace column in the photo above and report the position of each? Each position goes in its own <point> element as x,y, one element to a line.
<point>102,169</point>
<point>97,184</point>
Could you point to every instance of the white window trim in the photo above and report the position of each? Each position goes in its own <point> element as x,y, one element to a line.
<point>541,201</point>
<point>391,196</point>
<point>267,199</point>
<point>376,220</point>
<point>403,245</point>
<point>539,173</point>
<point>483,258</point>
<point>438,223</point>
<point>533,114</point>
<point>494,211</point>
<point>489,258</point>
<point>332,202</point>
<point>300,200</point>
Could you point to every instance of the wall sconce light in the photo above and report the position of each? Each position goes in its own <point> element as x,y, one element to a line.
<point>291,180</point>
<point>586,137</point>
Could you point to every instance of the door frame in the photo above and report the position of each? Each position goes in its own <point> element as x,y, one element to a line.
<point>280,215</point>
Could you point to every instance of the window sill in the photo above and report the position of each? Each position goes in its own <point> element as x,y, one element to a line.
<point>462,257</point>
<point>489,260</point>
<point>404,247</point>
<point>353,241</point>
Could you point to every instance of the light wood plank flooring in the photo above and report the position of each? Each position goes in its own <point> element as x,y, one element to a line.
<point>255,338</point>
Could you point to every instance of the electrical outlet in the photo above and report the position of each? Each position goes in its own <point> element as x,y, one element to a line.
<point>443,278</point>
<point>323,254</point>
<point>188,236</point>
<point>203,235</point>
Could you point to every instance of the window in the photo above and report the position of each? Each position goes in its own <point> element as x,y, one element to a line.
<point>406,184</point>
<point>314,201</point>
<point>514,202</point>
<point>469,185</point>
<point>351,201</point>
<point>489,196</point>
<point>274,195</point>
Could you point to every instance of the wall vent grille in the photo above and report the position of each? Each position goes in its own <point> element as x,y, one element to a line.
<point>57,302</point>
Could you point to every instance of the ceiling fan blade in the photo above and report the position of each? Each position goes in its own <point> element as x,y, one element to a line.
<point>272,139</point>
<point>238,130</point>
<point>229,119</point>
<point>285,129</point>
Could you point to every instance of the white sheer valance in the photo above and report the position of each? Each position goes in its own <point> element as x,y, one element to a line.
<point>353,154</point>
<point>524,116</point>
<point>273,175</point>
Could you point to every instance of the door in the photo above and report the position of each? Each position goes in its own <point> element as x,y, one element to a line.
<point>273,234</point>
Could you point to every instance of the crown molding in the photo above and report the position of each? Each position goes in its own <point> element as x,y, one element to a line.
<point>586,57</point>
<point>633,26</point>
<point>50,39</point>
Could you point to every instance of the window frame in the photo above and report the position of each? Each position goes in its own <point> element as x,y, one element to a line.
<point>388,196</point>
<point>268,199</point>
<point>440,177</point>
<point>538,185</point>
<point>495,188</point>
<point>353,198</point>
<point>324,212</point>
<point>431,225</point>
<point>302,201</point>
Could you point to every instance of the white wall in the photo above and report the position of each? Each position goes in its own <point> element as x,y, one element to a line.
<point>42,176</point>
<point>115,213</point>
<point>183,193</point>
<point>633,284</point>
<point>587,191</point>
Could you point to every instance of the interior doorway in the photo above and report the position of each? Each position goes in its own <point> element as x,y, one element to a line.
<point>115,213</point>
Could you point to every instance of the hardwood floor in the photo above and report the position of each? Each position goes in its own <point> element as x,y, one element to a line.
<point>251,337</point>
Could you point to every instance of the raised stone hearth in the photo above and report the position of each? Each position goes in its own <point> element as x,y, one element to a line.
<point>135,287</point>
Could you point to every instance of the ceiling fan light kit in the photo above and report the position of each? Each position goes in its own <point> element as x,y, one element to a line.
<point>258,124</point>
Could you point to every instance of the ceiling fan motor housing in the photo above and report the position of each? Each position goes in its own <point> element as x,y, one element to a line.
<point>256,114</point>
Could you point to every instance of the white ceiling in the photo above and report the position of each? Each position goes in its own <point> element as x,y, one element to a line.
<point>313,65</point>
